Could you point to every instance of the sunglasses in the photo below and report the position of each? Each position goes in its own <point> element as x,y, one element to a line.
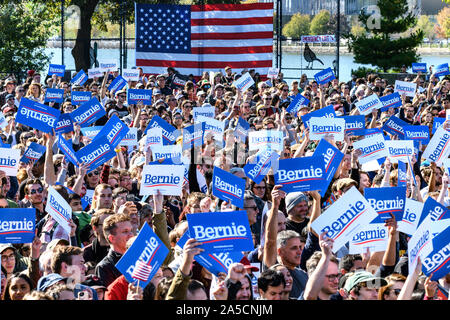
<point>33,191</point>
<point>93,173</point>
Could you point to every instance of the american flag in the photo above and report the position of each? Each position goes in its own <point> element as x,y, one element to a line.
<point>197,38</point>
<point>141,271</point>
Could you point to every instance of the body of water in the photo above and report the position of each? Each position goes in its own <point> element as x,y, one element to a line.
<point>289,60</point>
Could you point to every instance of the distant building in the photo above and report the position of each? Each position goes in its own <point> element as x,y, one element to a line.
<point>350,7</point>
<point>311,7</point>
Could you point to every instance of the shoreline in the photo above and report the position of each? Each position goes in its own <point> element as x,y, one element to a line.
<point>324,49</point>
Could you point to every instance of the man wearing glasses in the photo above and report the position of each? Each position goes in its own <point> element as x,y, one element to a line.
<point>34,198</point>
<point>20,92</point>
<point>161,84</point>
<point>323,273</point>
<point>121,98</point>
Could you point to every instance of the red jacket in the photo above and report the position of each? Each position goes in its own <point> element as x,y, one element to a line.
<point>118,290</point>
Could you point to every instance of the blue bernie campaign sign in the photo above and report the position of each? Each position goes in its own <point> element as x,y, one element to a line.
<point>37,115</point>
<point>54,95</point>
<point>221,231</point>
<point>419,67</point>
<point>114,130</point>
<point>182,241</point>
<point>96,153</point>
<point>393,100</point>
<point>80,97</point>
<point>88,113</point>
<point>435,210</point>
<point>67,149</point>
<point>301,174</point>
<point>33,153</point>
<point>228,187</point>
<point>84,203</point>
<point>216,262</point>
<point>324,76</point>
<point>296,103</point>
<point>354,124</point>
<point>17,225</point>
<point>417,133</point>
<point>193,135</point>
<point>327,112</point>
<point>395,126</point>
<point>64,124</point>
<point>147,248</point>
<point>118,83</point>
<point>241,130</point>
<point>57,69</point>
<point>437,263</point>
<point>437,122</point>
<point>168,131</point>
<point>134,96</point>
<point>402,174</point>
<point>441,70</point>
<point>80,78</point>
<point>91,132</point>
<point>265,159</point>
<point>332,158</point>
<point>387,202</point>
<point>369,132</point>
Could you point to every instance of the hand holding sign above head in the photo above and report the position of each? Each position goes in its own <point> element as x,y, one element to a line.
<point>190,250</point>
<point>391,224</point>
<point>277,195</point>
<point>82,169</point>
<point>326,244</point>
<point>430,287</point>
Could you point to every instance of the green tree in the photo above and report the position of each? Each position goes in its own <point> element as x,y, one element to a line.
<point>298,26</point>
<point>424,23</point>
<point>319,24</point>
<point>89,13</point>
<point>382,46</point>
<point>23,39</point>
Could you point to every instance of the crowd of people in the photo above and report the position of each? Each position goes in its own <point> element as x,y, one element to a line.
<point>289,261</point>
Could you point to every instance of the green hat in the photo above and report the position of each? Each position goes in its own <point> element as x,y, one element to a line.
<point>364,276</point>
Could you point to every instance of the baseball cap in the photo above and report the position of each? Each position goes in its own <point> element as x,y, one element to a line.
<point>5,246</point>
<point>94,282</point>
<point>364,276</point>
<point>8,109</point>
<point>156,91</point>
<point>52,244</point>
<point>9,96</point>
<point>160,76</point>
<point>248,265</point>
<point>201,92</point>
<point>49,280</point>
<point>345,182</point>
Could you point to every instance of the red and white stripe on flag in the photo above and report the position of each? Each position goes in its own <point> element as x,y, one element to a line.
<point>236,35</point>
<point>141,271</point>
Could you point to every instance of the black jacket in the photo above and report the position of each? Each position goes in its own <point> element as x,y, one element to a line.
<point>106,269</point>
<point>95,252</point>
